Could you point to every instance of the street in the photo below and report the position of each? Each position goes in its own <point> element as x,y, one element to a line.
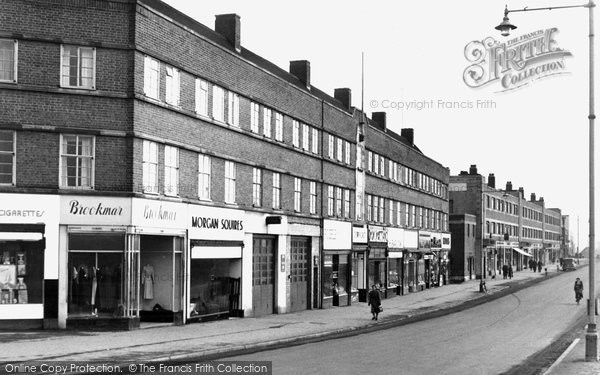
<point>487,339</point>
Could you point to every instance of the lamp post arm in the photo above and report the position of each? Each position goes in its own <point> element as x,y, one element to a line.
<point>527,9</point>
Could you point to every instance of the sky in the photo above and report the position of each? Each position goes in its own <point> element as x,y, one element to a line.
<point>536,136</point>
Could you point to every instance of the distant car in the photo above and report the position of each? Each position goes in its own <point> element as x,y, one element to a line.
<point>568,264</point>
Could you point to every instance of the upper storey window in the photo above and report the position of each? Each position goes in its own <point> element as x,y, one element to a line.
<point>78,67</point>
<point>8,60</point>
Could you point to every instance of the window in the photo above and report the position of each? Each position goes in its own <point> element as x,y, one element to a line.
<point>313,197</point>
<point>77,161</point>
<point>7,157</point>
<point>315,141</point>
<point>256,187</point>
<point>150,167</point>
<point>229,182</point>
<point>382,165</point>
<point>369,161</point>
<point>8,60</point>
<point>398,213</point>
<point>420,220</point>
<point>172,86</point>
<point>233,109</point>
<point>338,201</point>
<point>204,177</point>
<point>375,209</point>
<point>347,151</point>
<point>391,212</point>
<point>267,122</point>
<point>255,112</point>
<point>369,208</point>
<point>359,156</point>
<point>330,200</point>
<point>276,191</point>
<point>331,146</point>
<point>78,67</point>
<point>297,194</point>
<point>279,127</point>
<point>171,170</point>
<point>218,104</point>
<point>201,97</point>
<point>359,208</point>
<point>381,209</point>
<point>347,203</point>
<point>376,163</point>
<point>296,133</point>
<point>339,149</point>
<point>305,137</point>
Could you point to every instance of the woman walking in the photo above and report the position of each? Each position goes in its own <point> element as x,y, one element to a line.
<point>374,301</point>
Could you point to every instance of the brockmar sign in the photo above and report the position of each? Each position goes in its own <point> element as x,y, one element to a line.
<point>516,62</point>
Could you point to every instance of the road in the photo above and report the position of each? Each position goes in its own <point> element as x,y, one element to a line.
<point>487,339</point>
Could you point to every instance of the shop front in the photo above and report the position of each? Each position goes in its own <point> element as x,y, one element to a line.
<point>94,290</point>
<point>216,241</point>
<point>395,261</point>
<point>359,284</point>
<point>29,261</point>
<point>425,264</point>
<point>444,258</point>
<point>411,260</point>
<point>377,267</point>
<point>336,274</point>
<point>435,266</point>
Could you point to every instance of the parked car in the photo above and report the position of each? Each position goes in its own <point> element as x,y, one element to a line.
<point>568,264</point>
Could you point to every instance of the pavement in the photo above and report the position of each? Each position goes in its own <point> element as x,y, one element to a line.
<point>236,336</point>
<point>572,361</point>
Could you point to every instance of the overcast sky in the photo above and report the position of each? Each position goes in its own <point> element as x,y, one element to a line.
<point>535,136</point>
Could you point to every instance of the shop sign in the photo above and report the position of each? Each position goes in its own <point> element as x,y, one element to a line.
<point>360,234</point>
<point>510,244</point>
<point>446,241</point>
<point>428,256</point>
<point>158,214</point>
<point>424,240</point>
<point>83,210</point>
<point>214,223</point>
<point>411,239</point>
<point>27,208</point>
<point>436,241</point>
<point>336,235</point>
<point>536,245</point>
<point>395,238</point>
<point>377,233</point>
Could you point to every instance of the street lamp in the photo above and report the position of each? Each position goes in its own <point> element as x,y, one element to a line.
<point>591,337</point>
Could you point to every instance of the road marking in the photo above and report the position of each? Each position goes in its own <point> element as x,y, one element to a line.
<point>562,356</point>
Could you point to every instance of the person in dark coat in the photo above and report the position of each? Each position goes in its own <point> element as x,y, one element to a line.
<point>578,290</point>
<point>504,271</point>
<point>539,264</point>
<point>374,301</point>
<point>510,272</point>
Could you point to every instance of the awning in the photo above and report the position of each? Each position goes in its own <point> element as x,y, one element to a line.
<point>521,251</point>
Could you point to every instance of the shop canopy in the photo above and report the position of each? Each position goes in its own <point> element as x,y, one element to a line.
<point>521,251</point>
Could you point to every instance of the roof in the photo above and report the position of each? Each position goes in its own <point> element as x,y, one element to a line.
<point>245,53</point>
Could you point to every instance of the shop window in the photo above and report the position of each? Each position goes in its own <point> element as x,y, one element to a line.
<point>21,272</point>
<point>95,265</point>
<point>212,283</point>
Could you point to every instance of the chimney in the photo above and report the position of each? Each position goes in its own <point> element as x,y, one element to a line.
<point>409,135</point>
<point>533,197</point>
<point>522,192</point>
<point>380,119</point>
<point>229,26</point>
<point>344,95</point>
<point>301,69</point>
<point>464,173</point>
<point>473,169</point>
<point>508,186</point>
<point>492,180</point>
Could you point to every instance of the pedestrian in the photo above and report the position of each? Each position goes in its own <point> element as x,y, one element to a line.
<point>510,272</point>
<point>504,271</point>
<point>374,302</point>
<point>578,290</point>
<point>539,264</point>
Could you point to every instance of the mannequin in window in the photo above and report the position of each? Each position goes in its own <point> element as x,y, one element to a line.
<point>148,282</point>
<point>95,301</point>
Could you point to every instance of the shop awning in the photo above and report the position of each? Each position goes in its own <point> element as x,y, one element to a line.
<point>21,236</point>
<point>521,251</point>
<point>216,252</point>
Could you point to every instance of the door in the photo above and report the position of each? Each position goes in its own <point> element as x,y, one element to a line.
<point>299,273</point>
<point>263,275</point>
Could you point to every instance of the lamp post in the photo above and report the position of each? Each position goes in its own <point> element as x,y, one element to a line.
<point>591,337</point>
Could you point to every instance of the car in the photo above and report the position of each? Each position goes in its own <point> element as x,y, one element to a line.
<point>568,264</point>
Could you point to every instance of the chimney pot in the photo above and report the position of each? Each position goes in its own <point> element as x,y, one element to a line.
<point>473,169</point>
<point>344,95</point>
<point>229,26</point>
<point>509,186</point>
<point>380,118</point>
<point>492,180</point>
<point>301,70</point>
<point>533,197</point>
<point>408,134</point>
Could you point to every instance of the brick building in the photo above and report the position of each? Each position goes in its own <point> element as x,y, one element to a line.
<point>154,169</point>
<point>509,229</point>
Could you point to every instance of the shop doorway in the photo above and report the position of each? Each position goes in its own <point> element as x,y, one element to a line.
<point>299,290</point>
<point>263,275</point>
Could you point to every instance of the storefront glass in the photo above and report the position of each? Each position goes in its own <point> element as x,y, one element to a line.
<point>21,272</point>
<point>214,284</point>
<point>394,273</point>
<point>95,273</point>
